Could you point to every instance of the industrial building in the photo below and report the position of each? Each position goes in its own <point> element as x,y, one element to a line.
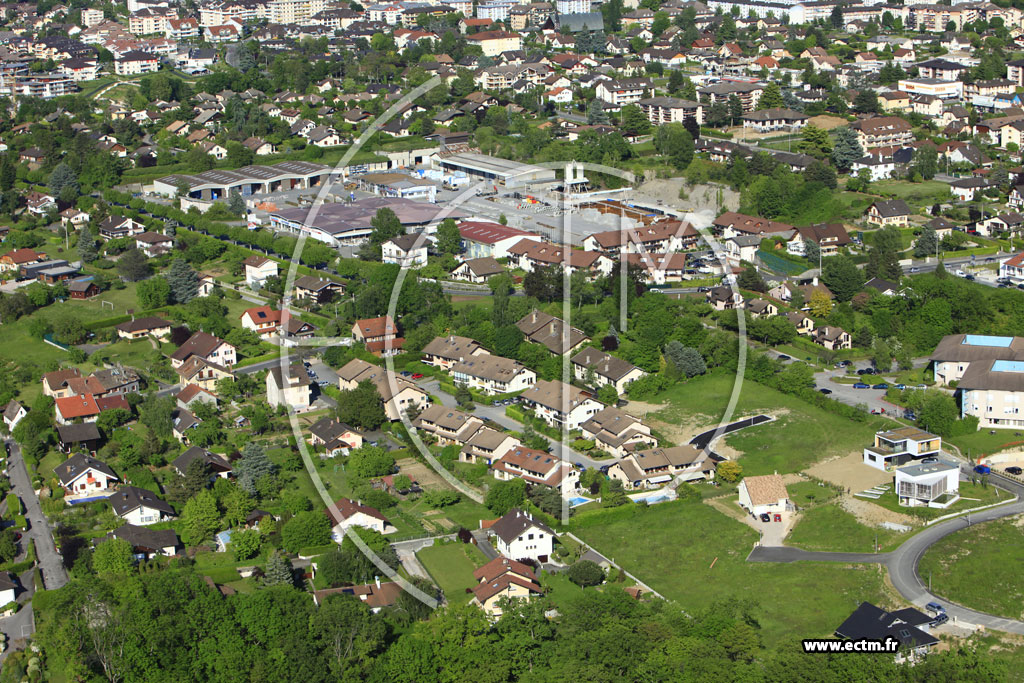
<point>509,174</point>
<point>349,224</point>
<point>250,180</point>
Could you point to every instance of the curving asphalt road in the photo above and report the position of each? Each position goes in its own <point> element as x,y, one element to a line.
<point>902,562</point>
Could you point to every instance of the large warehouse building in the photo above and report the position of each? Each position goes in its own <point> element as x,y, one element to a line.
<point>510,174</point>
<point>349,224</point>
<point>246,181</point>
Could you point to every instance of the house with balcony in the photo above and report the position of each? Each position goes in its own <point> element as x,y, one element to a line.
<point>932,484</point>
<point>139,506</point>
<point>487,445</point>
<point>897,447</point>
<point>398,394</point>
<point>444,352</point>
<point>537,468</point>
<point>83,476</point>
<point>659,466</point>
<point>604,368</point>
<point>448,425</point>
<point>551,332</point>
<point>560,404</point>
<point>379,335</point>
<point>617,432</point>
<point>503,578</point>
<point>493,374</point>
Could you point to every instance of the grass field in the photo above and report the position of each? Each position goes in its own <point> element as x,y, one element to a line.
<point>979,567</point>
<point>829,527</point>
<point>672,547</point>
<point>971,496</point>
<point>920,193</point>
<point>982,443</point>
<point>808,493</point>
<point>451,565</point>
<point>802,434</point>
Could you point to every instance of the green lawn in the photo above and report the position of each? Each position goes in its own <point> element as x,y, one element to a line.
<point>672,546</point>
<point>802,434</point>
<point>982,443</point>
<point>451,565</point>
<point>808,493</point>
<point>920,193</point>
<point>971,496</point>
<point>979,567</point>
<point>829,527</point>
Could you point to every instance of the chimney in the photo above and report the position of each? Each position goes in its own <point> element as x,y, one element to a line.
<point>814,281</point>
<point>552,327</point>
<point>377,580</point>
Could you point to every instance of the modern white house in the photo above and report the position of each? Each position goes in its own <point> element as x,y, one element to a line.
<point>518,536</point>
<point>900,446</point>
<point>139,506</point>
<point>935,484</point>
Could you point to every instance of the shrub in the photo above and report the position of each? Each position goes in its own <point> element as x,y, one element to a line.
<point>586,573</point>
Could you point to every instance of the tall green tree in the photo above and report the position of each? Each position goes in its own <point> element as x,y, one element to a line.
<point>846,149</point>
<point>449,239</point>
<point>183,281</point>
<point>771,98</point>
<point>200,518</point>
<point>133,265</point>
<point>86,245</point>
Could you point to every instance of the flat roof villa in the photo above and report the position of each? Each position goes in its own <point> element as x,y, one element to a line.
<point>897,447</point>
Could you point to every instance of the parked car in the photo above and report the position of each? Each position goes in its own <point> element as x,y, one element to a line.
<point>825,391</point>
<point>941,619</point>
<point>405,373</point>
<point>960,273</point>
<point>901,387</point>
<point>765,517</point>
<point>497,403</point>
<point>777,517</point>
<point>935,607</point>
<point>878,411</point>
<point>417,375</point>
<point>881,385</point>
<point>969,277</point>
<point>1016,471</point>
<point>861,385</point>
<point>982,469</point>
<point>929,460</point>
<point>1020,286</point>
<point>909,415</point>
<point>914,269</point>
<point>783,356</point>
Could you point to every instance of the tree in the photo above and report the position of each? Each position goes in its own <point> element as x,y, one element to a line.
<point>370,461</point>
<point>674,141</point>
<point>926,161</point>
<point>197,477</point>
<point>634,121</point>
<point>927,243</point>
<point>596,113</point>
<point>751,280</point>
<point>771,98</point>
<point>586,573</point>
<point>449,240</point>
<point>278,571</point>
<point>812,251</point>
<point>684,360</point>
<point>608,395</point>
<point>729,471</point>
<point>842,276</point>
<point>245,543</point>
<point>133,265</point>
<point>866,101</point>
<point>505,495</point>
<point>86,245</point>
<point>236,204</point>
<point>836,17</point>
<point>385,226</point>
<point>816,142</point>
<point>939,413</point>
<point>820,304</point>
<point>153,293</point>
<point>113,557</point>
<point>63,177</point>
<point>306,530</point>
<point>735,109</point>
<point>846,149</point>
<point>8,546</point>
<point>253,466</point>
<point>200,518</point>
<point>361,407</point>
<point>183,281</point>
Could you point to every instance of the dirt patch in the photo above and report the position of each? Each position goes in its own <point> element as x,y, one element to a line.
<point>827,122</point>
<point>641,408</point>
<point>871,515</point>
<point>423,474</point>
<point>849,472</point>
<point>729,507</point>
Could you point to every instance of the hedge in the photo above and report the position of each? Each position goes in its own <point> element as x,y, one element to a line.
<point>13,505</point>
<point>118,319</point>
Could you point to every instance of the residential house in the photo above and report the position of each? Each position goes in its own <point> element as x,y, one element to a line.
<point>1012,268</point>
<point>503,579</point>
<point>551,332</point>
<point>617,432</point>
<point>760,308</point>
<point>560,404</point>
<point>882,131</point>
<point>312,288</point>
<point>13,413</point>
<point>345,513</point>
<point>202,373</point>
<point>334,437</point>
<point>832,338</point>
<point>884,287</point>
<point>82,437</point>
<point>289,387</point>
<point>888,212</point>
<point>77,407</point>
<point>444,352</point>
<point>258,269</point>
<point>493,374</point>
<point>478,270</point>
<point>518,536</point>
<point>536,467</point>
<point>928,484</point>
<point>216,464</point>
<point>144,327</point>
<point>723,298</point>
<point>767,120</point>
<point>139,506</point>
<point>116,227</point>
<point>448,425</point>
<point>378,335</point>
<point>83,476</point>
<point>765,493</point>
<point>207,347</point>
<point>9,587</point>
<point>147,543</point>
<point>802,323</point>
<point>262,320</point>
<point>659,466</point>
<point>604,369</point>
<point>897,447</point>
<point>376,596</point>
<point>830,238</point>
<point>398,394</point>
<point>408,251</point>
<point>153,244</point>
<point>908,626</point>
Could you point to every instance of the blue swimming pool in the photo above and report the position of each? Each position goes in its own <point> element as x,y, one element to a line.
<point>576,501</point>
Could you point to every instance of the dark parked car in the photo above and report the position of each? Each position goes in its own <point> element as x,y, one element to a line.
<point>1015,471</point>
<point>939,620</point>
<point>969,277</point>
<point>825,391</point>
<point>881,385</point>
<point>929,461</point>
<point>861,385</point>
<point>783,356</point>
<point>765,517</point>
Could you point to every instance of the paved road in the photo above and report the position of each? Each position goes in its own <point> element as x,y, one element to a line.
<point>902,562</point>
<point>22,624</point>
<point>497,415</point>
<point>704,439</point>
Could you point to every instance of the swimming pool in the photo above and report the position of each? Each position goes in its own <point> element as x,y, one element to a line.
<point>576,501</point>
